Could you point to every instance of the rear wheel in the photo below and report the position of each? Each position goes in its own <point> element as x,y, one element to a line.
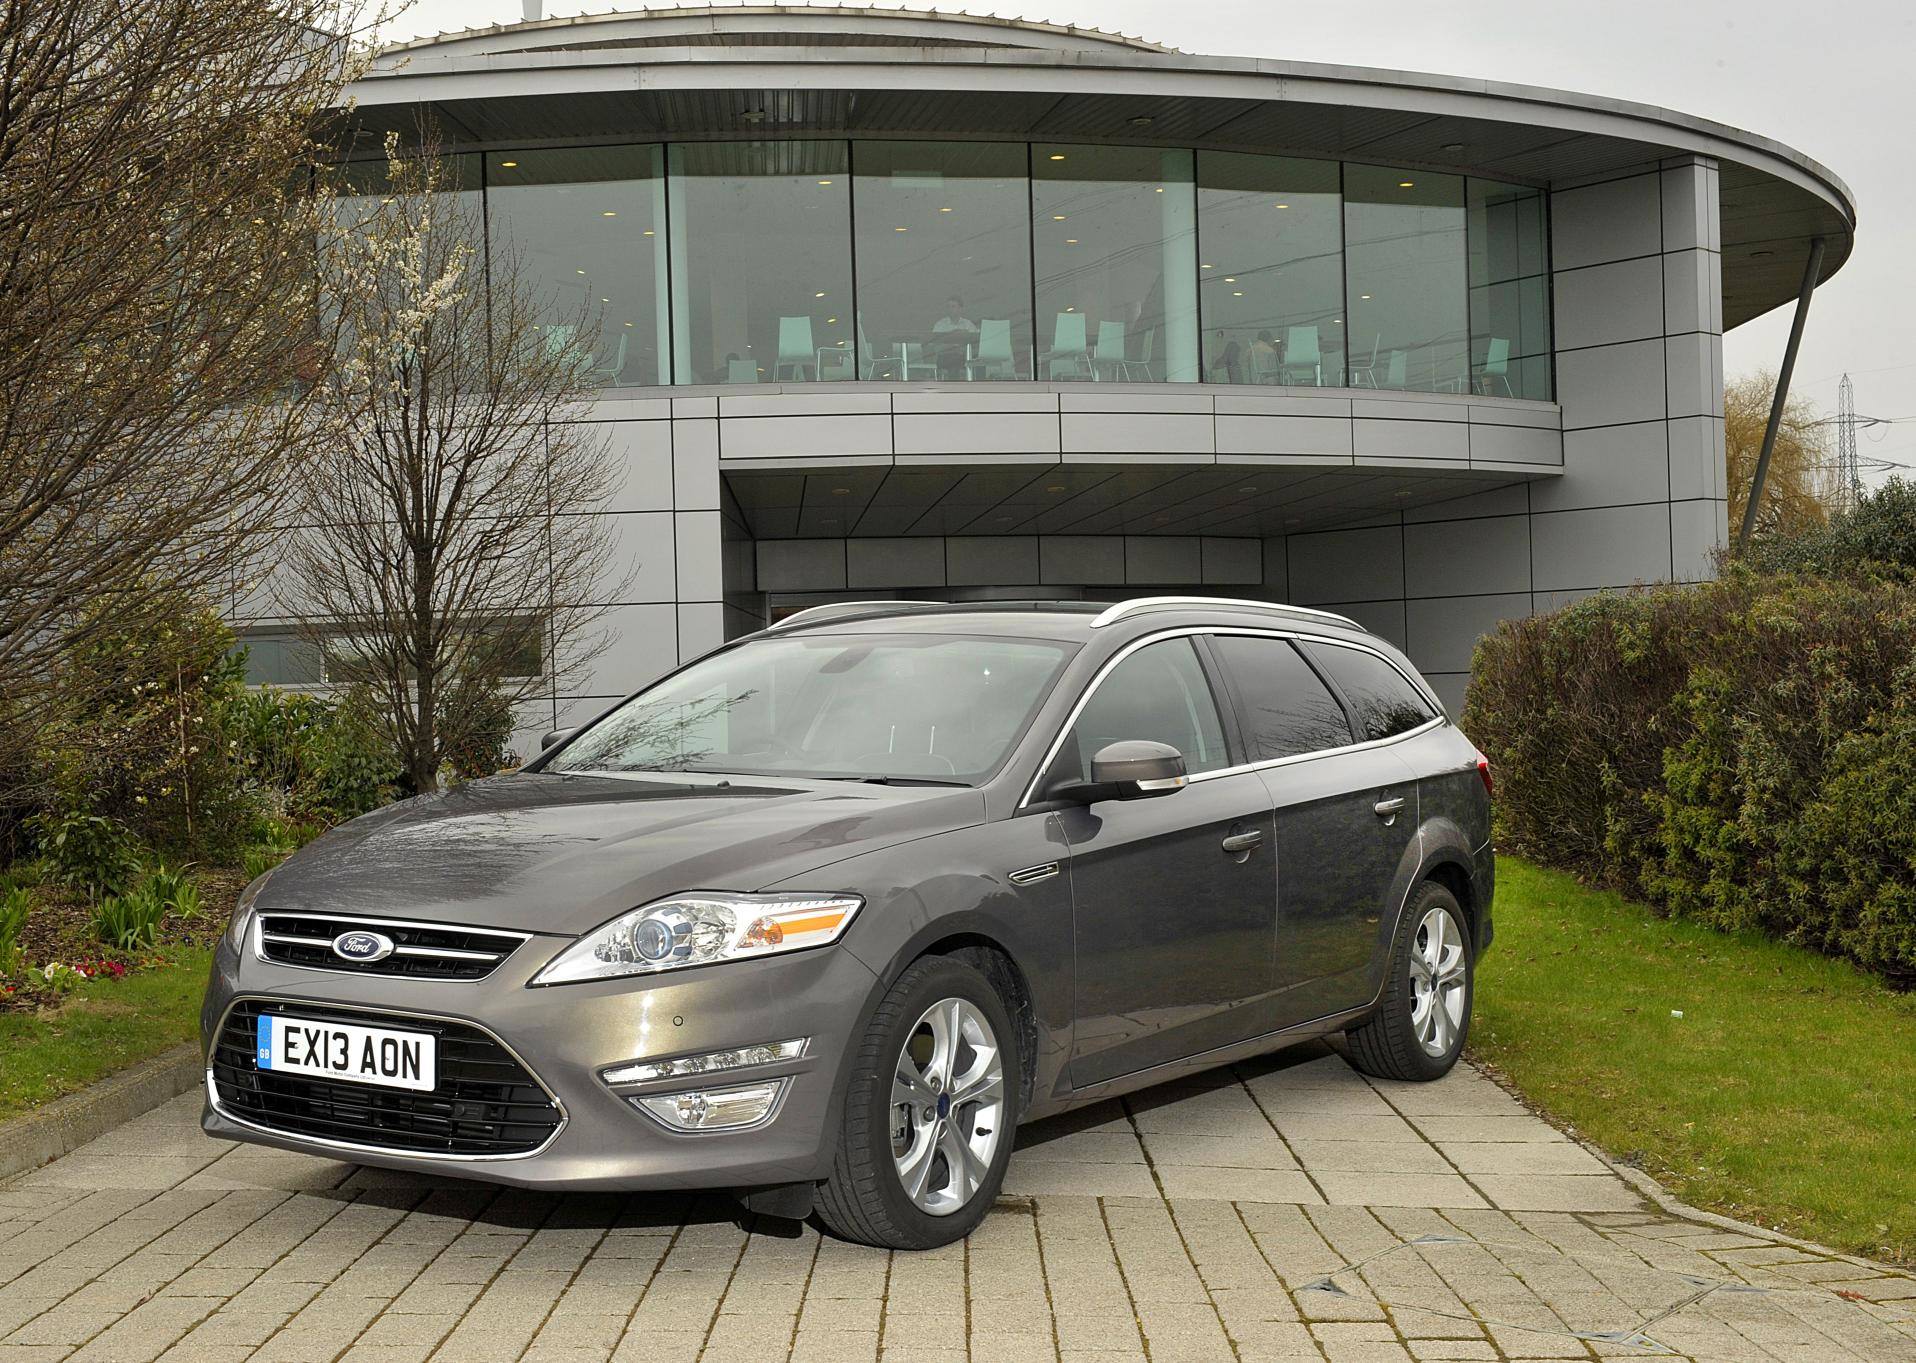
<point>1423,1016</point>
<point>929,1113</point>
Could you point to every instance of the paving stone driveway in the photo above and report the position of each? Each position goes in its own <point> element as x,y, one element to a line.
<point>1286,1209</point>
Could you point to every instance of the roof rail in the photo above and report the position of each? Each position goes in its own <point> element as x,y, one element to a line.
<point>1143,603</point>
<point>850,610</point>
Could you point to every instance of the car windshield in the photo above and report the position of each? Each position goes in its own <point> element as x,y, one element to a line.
<point>942,709</point>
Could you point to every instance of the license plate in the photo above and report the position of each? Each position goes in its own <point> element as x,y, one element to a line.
<point>340,1050</point>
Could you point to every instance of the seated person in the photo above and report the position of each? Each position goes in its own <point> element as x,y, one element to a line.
<point>951,354</point>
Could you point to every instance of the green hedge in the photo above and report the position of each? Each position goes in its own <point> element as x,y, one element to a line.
<point>1742,753</point>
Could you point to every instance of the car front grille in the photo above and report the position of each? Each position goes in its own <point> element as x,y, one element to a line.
<point>430,951</point>
<point>486,1103</point>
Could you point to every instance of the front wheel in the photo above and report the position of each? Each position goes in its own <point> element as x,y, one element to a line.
<point>1423,1014</point>
<point>929,1112</point>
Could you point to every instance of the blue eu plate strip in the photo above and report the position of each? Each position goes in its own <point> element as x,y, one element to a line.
<point>265,1047</point>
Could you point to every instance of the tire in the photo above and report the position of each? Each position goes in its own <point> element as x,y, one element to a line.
<point>1403,1039</point>
<point>866,1198</point>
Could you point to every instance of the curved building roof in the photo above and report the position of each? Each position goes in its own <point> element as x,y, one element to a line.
<point>785,70</point>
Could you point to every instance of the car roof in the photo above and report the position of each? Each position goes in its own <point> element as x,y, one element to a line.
<point>1078,621</point>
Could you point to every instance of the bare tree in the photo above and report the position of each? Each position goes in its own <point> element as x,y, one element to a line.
<point>452,542</point>
<point>154,241</point>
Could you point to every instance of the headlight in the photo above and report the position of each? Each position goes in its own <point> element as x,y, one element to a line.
<point>243,912</point>
<point>699,928</point>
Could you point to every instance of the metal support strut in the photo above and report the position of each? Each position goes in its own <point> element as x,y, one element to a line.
<point>1811,272</point>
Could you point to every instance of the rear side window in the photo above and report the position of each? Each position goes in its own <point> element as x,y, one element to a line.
<point>1158,693</point>
<point>1383,704</point>
<point>1283,708</point>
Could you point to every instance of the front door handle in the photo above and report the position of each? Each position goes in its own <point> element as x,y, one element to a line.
<point>1387,809</point>
<point>1243,842</point>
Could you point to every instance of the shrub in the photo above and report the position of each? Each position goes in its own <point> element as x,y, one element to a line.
<point>14,904</point>
<point>318,761</point>
<point>131,921</point>
<point>1877,536</point>
<point>141,740</point>
<point>477,722</point>
<point>89,852</point>
<point>1735,753</point>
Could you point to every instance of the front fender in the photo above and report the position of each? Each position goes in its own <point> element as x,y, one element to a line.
<point>957,885</point>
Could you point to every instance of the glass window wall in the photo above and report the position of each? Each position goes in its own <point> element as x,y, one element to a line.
<point>585,228</point>
<point>715,263</point>
<point>1115,237</point>
<point>943,245</point>
<point>1271,276</point>
<point>761,262</point>
<point>1405,279</point>
<point>1509,291</point>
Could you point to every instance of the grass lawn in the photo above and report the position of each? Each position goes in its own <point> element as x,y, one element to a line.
<point>1785,1094</point>
<point>103,1026</point>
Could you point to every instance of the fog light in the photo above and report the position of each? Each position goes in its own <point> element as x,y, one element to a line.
<point>770,1052</point>
<point>714,1109</point>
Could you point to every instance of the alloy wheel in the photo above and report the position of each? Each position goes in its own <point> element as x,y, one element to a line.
<point>947,1106</point>
<point>1437,983</point>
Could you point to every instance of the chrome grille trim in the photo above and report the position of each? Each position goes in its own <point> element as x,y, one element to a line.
<point>479,952</point>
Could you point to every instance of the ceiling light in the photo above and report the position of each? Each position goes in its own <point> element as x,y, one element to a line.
<point>578,272</point>
<point>829,321</point>
<point>1248,487</point>
<point>1055,487</point>
<point>1453,146</point>
<point>1406,184</point>
<point>1057,217</point>
<point>1160,189</point>
<point>841,492</point>
<point>609,213</point>
<point>628,324</point>
<point>508,164</point>
<point>1230,279</point>
<point>605,300</point>
<point>901,229</point>
<point>1143,121</point>
<point>944,210</point>
<point>1070,241</point>
<point>818,295</point>
<point>1057,156</point>
<point>646,233</point>
<point>1237,293</point>
<point>1758,255</point>
<point>1204,267</point>
<point>1283,205</point>
<point>1364,296</point>
<point>824,182</point>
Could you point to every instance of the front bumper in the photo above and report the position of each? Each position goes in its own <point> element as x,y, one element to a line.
<point>564,1035</point>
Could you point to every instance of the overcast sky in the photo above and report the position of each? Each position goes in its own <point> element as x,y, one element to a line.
<point>1832,80</point>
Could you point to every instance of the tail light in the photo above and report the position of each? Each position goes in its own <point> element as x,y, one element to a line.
<point>1483,774</point>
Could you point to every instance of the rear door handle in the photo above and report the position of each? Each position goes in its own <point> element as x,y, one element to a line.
<point>1388,808</point>
<point>1243,842</point>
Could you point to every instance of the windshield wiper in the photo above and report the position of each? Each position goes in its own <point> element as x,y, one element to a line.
<point>898,781</point>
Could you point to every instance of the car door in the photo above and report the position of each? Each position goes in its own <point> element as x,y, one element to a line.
<point>1345,812</point>
<point>1173,898</point>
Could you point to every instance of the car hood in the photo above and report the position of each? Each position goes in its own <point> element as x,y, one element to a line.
<point>562,854</point>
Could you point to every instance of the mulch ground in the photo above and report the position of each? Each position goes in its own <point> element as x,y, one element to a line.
<point>60,928</point>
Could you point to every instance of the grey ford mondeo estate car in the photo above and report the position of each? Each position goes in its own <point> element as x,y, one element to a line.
<point>822,916</point>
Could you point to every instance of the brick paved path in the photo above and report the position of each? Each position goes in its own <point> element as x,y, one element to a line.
<point>1288,1209</point>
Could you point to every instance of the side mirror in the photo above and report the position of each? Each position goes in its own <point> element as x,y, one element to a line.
<point>556,737</point>
<point>1136,769</point>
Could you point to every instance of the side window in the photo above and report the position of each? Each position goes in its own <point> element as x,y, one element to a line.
<point>1382,702</point>
<point>1158,693</point>
<point>1283,707</point>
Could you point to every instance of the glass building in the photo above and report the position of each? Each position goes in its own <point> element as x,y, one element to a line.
<point>881,303</point>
